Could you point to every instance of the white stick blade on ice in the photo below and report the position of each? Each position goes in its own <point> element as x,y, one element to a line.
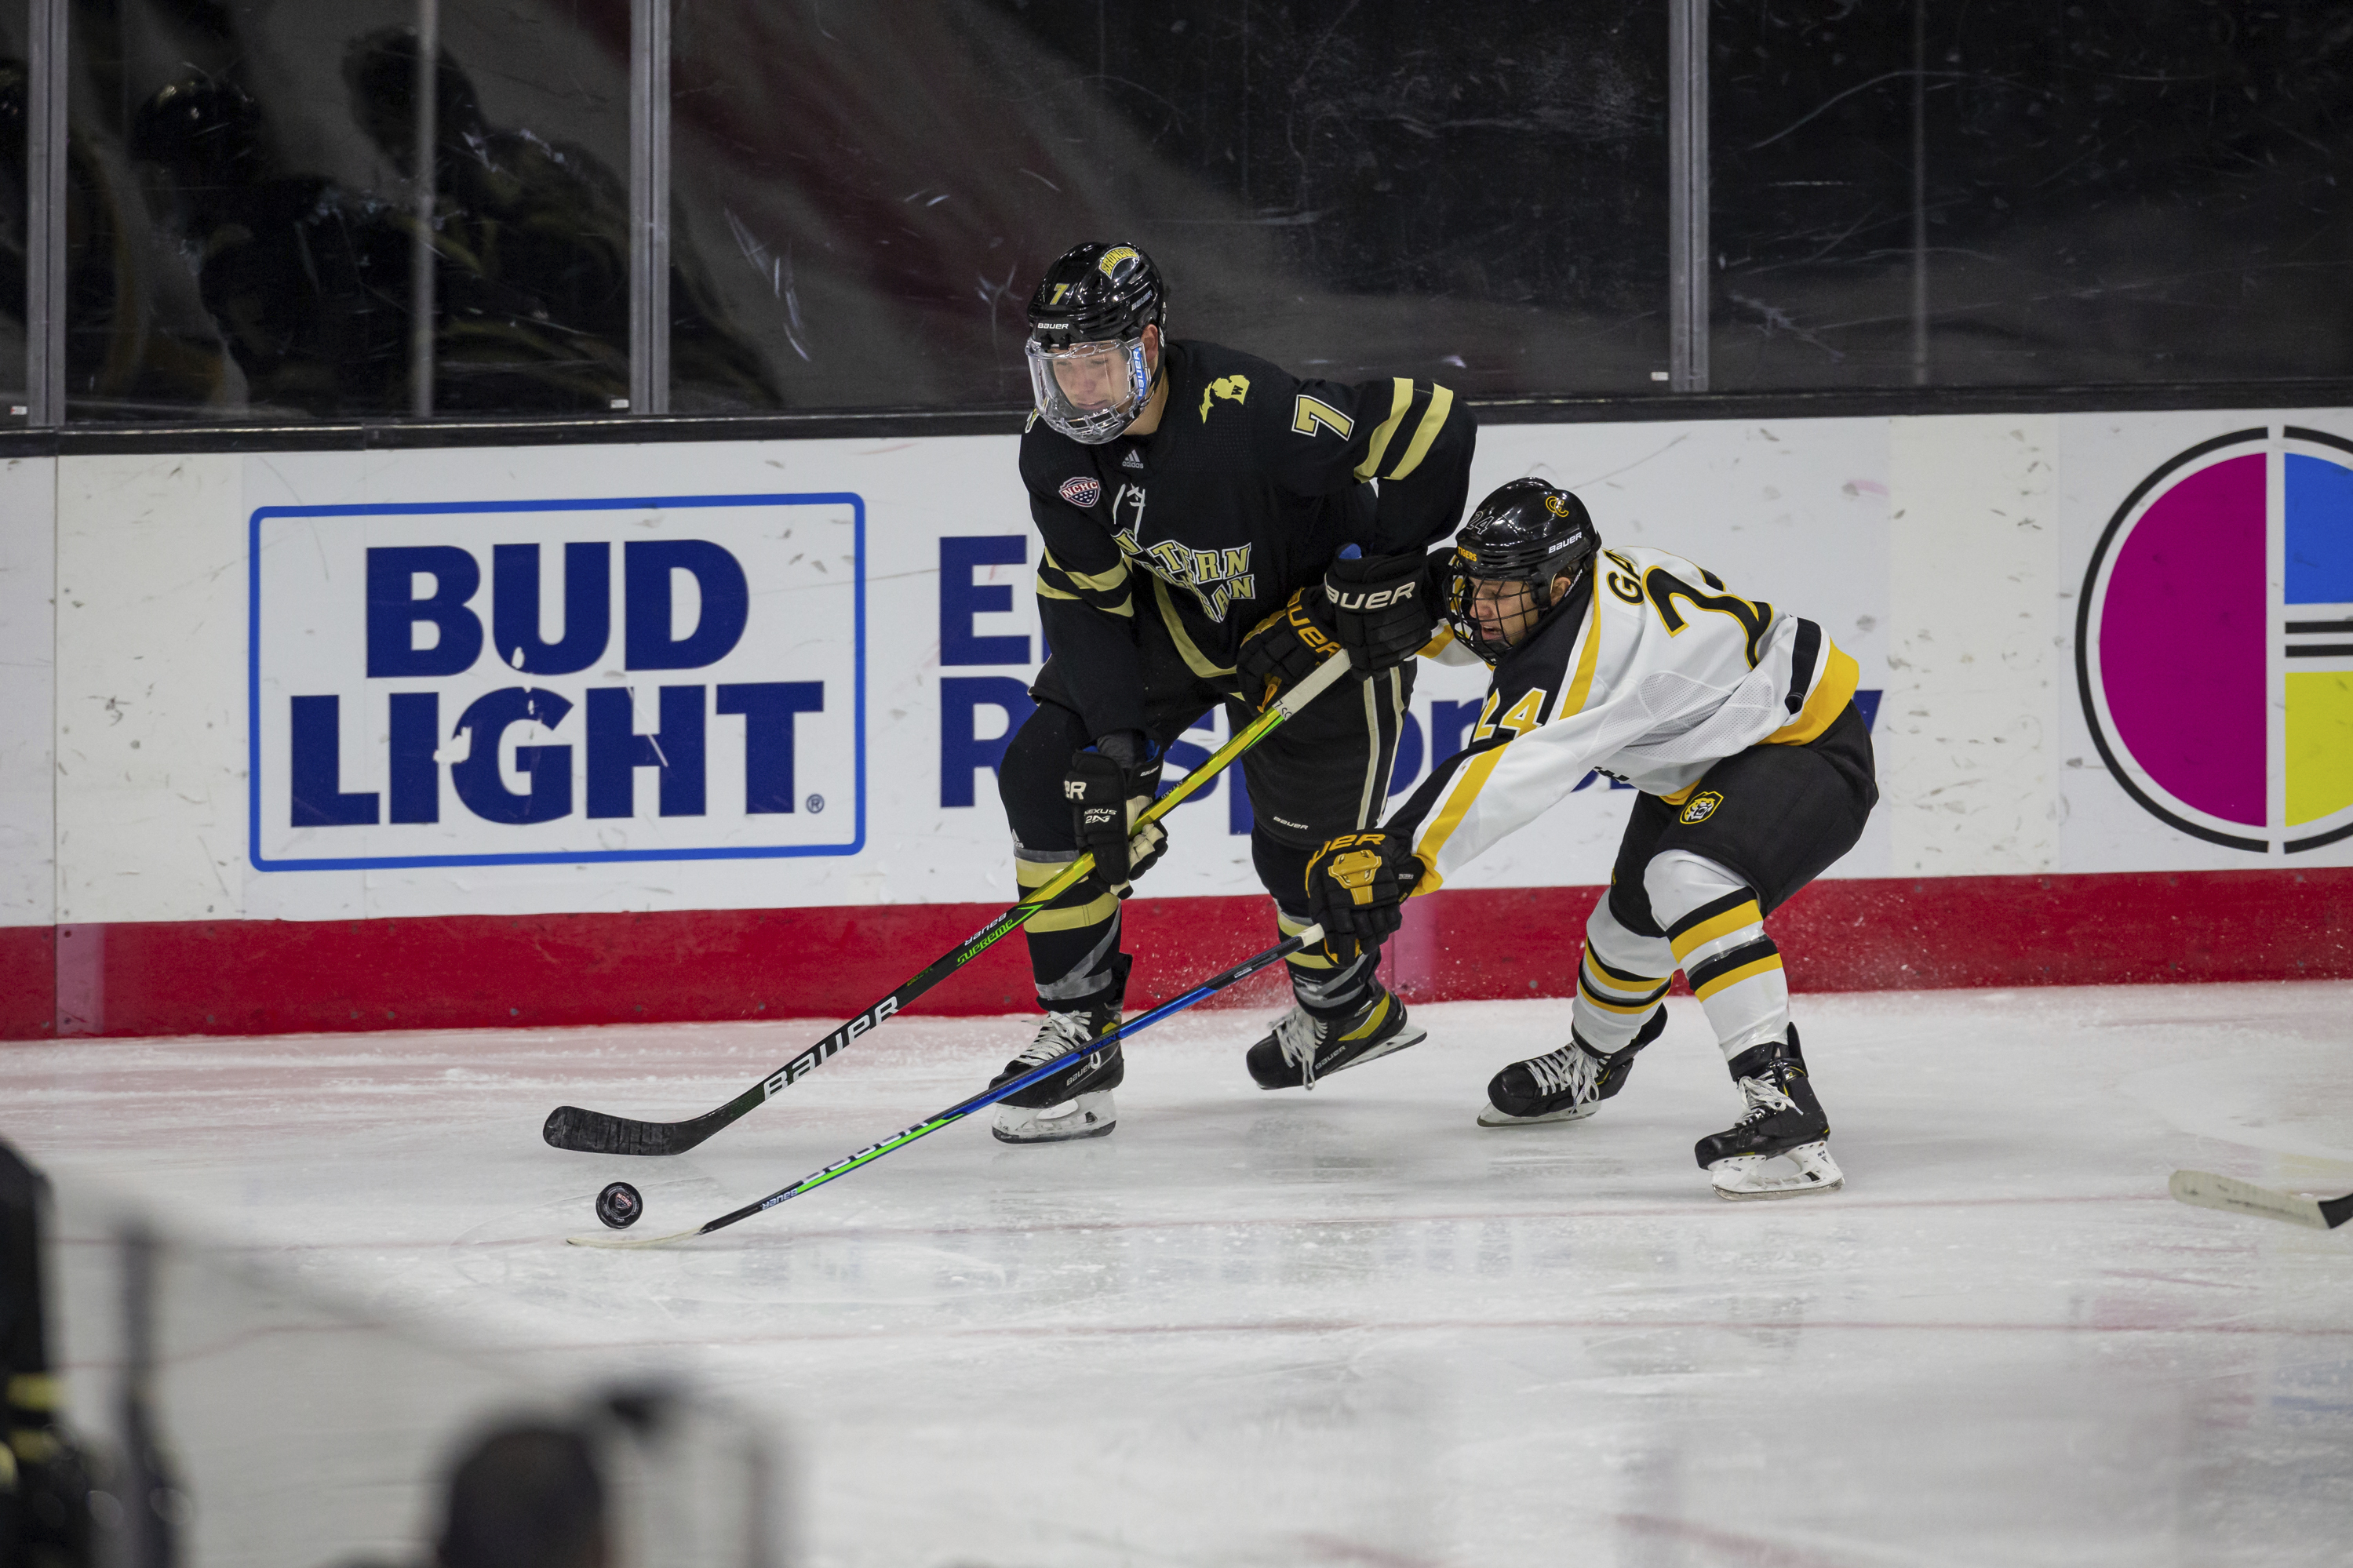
<point>2209,1191</point>
<point>630,1243</point>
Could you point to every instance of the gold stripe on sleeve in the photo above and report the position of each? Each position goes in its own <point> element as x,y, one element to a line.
<point>1402,399</point>
<point>1474,777</point>
<point>1433,420</point>
<point>1832,691</point>
<point>1099,582</point>
<point>1450,817</point>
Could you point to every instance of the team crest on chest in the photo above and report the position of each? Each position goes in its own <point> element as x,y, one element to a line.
<point>1217,578</point>
<point>1700,808</point>
<point>1082,491</point>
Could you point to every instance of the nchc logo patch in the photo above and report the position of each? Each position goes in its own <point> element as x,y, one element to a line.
<point>1082,492</point>
<point>1700,808</point>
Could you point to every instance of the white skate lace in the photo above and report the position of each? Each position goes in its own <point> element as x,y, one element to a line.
<point>1565,1069</point>
<point>1764,1101</point>
<point>1300,1037</point>
<point>1058,1036</point>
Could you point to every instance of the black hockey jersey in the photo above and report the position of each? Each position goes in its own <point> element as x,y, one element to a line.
<point>1246,490</point>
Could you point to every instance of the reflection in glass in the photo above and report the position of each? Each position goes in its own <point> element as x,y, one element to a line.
<point>1471,193</point>
<point>244,191</point>
<point>2012,193</point>
<point>14,103</point>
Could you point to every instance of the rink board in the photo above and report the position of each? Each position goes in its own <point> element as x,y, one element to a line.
<point>725,766</point>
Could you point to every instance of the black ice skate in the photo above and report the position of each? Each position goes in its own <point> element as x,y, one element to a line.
<point>1783,1121</point>
<point>1065,1105</point>
<point>1566,1085</point>
<point>1302,1047</point>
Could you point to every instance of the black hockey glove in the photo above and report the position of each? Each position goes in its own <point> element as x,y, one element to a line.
<point>1356,885</point>
<point>1285,647</point>
<point>1110,785</point>
<point>1382,608</point>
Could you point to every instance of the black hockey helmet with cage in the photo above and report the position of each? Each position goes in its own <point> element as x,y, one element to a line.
<point>1090,311</point>
<point>1523,537</point>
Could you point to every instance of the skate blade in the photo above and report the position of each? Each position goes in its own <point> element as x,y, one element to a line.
<point>1409,1035</point>
<point>1810,1169</point>
<point>2209,1191</point>
<point>1088,1116</point>
<point>1490,1116</point>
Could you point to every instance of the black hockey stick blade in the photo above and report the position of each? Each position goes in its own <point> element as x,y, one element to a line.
<point>2231,1196</point>
<point>596,1132</point>
<point>600,1132</point>
<point>962,1109</point>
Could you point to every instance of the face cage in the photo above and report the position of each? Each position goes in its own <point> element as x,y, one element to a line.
<point>1088,427</point>
<point>1471,632</point>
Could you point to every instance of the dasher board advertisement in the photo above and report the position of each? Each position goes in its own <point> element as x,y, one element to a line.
<point>516,682</point>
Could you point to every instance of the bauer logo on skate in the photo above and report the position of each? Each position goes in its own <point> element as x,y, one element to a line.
<point>560,681</point>
<point>2214,641</point>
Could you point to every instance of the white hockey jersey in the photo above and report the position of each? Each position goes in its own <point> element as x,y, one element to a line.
<point>1650,674</point>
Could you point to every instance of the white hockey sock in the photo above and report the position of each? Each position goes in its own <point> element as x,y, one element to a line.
<point>1716,931</point>
<point>1621,982</point>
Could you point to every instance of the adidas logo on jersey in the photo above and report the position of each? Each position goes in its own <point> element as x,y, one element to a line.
<point>1133,460</point>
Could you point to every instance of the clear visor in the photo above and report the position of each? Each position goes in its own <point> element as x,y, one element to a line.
<point>1090,392</point>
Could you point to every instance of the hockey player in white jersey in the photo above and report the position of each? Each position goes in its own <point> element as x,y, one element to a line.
<point>1735,720</point>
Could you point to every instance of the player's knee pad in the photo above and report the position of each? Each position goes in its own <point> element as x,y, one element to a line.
<point>1281,869</point>
<point>1677,882</point>
<point>1030,779</point>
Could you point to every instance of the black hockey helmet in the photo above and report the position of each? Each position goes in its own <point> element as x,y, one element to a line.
<point>1517,543</point>
<point>1087,366</point>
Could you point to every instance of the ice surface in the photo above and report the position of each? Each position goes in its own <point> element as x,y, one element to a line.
<point>1350,1326</point>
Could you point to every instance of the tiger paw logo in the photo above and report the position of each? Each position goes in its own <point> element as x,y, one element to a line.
<point>1233,388</point>
<point>1699,808</point>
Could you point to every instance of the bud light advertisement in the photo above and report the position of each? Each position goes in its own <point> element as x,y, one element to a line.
<point>672,678</point>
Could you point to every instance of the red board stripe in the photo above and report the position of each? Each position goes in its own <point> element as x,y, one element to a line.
<point>241,977</point>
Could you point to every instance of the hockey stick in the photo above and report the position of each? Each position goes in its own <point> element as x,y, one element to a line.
<point>596,1132</point>
<point>2228,1194</point>
<point>980,1102</point>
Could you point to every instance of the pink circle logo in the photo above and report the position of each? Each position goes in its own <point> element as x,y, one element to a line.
<point>2214,641</point>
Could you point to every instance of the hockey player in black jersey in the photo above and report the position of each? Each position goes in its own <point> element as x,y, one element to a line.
<point>1195,504</point>
<point>1734,720</point>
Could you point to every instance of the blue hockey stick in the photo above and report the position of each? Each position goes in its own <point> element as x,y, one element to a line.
<point>981,1102</point>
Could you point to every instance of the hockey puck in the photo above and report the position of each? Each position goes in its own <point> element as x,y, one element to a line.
<point>619,1206</point>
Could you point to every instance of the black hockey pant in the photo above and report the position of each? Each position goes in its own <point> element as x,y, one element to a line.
<point>1321,774</point>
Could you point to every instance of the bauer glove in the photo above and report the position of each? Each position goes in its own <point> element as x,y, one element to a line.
<point>1284,649</point>
<point>1110,785</point>
<point>1381,608</point>
<point>1356,885</point>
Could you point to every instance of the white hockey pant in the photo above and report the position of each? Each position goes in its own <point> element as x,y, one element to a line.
<point>1715,936</point>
